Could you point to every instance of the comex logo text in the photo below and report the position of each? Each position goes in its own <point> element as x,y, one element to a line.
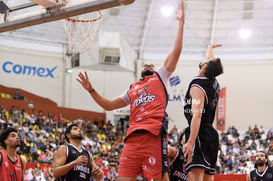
<point>10,67</point>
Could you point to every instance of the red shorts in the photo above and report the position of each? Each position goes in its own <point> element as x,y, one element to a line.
<point>144,154</point>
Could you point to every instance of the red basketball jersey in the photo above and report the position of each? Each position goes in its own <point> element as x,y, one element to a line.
<point>10,171</point>
<point>148,99</point>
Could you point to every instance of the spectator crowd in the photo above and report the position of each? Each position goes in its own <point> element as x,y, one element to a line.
<point>41,134</point>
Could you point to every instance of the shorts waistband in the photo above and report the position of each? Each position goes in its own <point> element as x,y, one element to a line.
<point>140,131</point>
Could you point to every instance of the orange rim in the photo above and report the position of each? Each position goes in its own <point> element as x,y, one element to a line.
<point>73,20</point>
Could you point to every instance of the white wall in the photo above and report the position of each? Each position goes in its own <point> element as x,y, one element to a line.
<point>249,93</point>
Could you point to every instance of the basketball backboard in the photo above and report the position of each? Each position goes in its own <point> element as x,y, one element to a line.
<point>16,14</point>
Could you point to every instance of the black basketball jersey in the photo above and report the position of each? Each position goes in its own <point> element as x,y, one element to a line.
<point>211,90</point>
<point>80,172</point>
<point>266,175</point>
<point>177,167</point>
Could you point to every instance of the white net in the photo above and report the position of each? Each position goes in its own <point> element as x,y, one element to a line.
<point>81,31</point>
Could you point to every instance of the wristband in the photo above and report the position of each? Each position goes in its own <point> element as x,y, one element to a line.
<point>92,90</point>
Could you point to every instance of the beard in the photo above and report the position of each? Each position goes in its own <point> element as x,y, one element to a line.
<point>17,144</point>
<point>260,163</point>
<point>76,137</point>
<point>145,73</point>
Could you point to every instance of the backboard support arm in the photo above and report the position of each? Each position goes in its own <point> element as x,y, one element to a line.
<point>62,13</point>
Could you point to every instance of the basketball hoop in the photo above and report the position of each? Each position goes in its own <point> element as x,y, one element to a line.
<point>81,31</point>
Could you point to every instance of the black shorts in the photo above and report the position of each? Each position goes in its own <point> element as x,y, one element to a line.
<point>205,150</point>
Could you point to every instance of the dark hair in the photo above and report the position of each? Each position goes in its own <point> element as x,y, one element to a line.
<point>4,135</point>
<point>68,130</point>
<point>214,68</point>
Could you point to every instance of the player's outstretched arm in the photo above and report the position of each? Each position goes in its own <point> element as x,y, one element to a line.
<point>197,96</point>
<point>209,53</point>
<point>172,59</point>
<point>105,103</point>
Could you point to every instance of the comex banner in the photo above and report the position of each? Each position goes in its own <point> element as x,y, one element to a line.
<point>10,67</point>
<point>37,72</point>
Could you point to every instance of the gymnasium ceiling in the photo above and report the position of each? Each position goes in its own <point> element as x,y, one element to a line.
<point>152,35</point>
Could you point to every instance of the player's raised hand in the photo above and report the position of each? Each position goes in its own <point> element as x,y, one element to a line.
<point>84,81</point>
<point>215,45</point>
<point>181,15</point>
<point>210,49</point>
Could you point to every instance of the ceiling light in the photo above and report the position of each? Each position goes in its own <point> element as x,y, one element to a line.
<point>245,33</point>
<point>167,10</point>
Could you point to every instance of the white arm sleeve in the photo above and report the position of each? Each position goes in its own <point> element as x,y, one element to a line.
<point>164,74</point>
<point>125,97</point>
